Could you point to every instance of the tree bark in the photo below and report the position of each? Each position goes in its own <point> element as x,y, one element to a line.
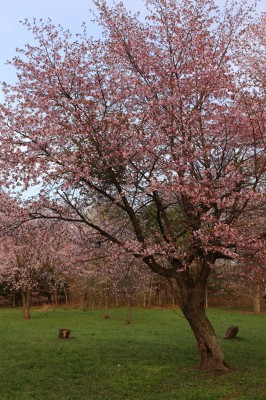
<point>86,300</point>
<point>66,297</point>
<point>191,298</point>
<point>54,296</point>
<point>192,285</point>
<point>128,311</point>
<point>206,299</point>
<point>116,299</point>
<point>14,303</point>
<point>150,296</point>
<point>26,299</point>
<point>106,309</point>
<point>256,300</point>
<point>159,297</point>
<point>144,300</point>
<point>211,354</point>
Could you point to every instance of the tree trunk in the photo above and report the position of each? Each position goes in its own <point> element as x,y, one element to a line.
<point>159,297</point>
<point>86,300</point>
<point>14,303</point>
<point>206,299</point>
<point>66,297</point>
<point>150,296</point>
<point>173,300</point>
<point>26,298</point>
<point>116,299</point>
<point>128,311</point>
<point>144,300</point>
<point>256,300</point>
<point>54,296</point>
<point>191,298</point>
<point>211,354</point>
<point>106,310</point>
<point>191,289</point>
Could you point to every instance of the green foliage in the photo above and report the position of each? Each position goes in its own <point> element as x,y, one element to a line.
<point>154,358</point>
<point>150,217</point>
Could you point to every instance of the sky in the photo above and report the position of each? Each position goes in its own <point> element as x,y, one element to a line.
<point>69,13</point>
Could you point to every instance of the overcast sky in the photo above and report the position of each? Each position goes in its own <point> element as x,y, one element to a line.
<point>69,13</point>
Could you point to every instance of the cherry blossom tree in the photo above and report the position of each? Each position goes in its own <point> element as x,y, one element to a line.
<point>159,121</point>
<point>21,264</point>
<point>247,275</point>
<point>124,277</point>
<point>106,274</point>
<point>245,278</point>
<point>32,255</point>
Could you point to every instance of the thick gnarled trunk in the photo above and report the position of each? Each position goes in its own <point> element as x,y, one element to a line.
<point>211,354</point>
<point>192,300</point>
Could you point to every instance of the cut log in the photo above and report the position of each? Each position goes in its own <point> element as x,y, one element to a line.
<point>64,333</point>
<point>231,332</point>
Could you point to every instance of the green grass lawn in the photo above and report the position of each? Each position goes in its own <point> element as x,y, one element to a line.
<point>153,358</point>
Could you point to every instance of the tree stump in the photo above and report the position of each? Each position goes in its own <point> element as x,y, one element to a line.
<point>231,332</point>
<point>64,333</point>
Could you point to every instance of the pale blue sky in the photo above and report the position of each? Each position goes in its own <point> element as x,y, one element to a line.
<point>69,13</point>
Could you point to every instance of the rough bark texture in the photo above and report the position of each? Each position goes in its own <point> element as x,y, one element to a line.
<point>211,354</point>
<point>192,297</point>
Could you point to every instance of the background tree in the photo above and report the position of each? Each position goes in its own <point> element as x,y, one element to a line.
<point>33,256</point>
<point>106,274</point>
<point>247,275</point>
<point>157,114</point>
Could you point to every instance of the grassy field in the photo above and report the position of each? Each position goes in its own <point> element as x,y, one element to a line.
<point>154,358</point>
